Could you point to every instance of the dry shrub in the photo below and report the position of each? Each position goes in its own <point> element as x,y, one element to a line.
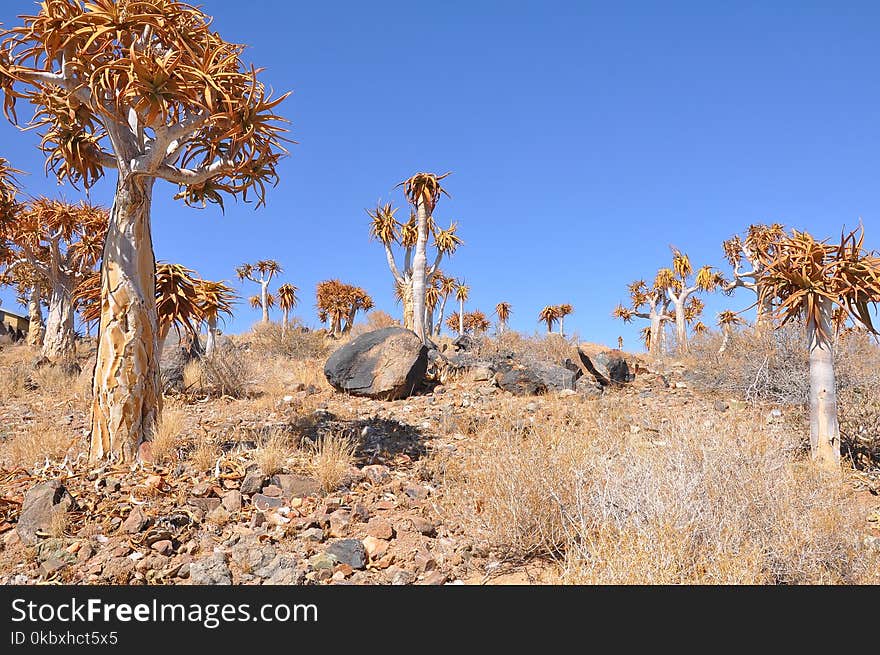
<point>13,377</point>
<point>227,372</point>
<point>296,342</point>
<point>33,442</point>
<point>331,459</point>
<point>546,348</point>
<point>691,503</point>
<point>376,320</point>
<point>205,454</point>
<point>167,436</point>
<point>273,451</point>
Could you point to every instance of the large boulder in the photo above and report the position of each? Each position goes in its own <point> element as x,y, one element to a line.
<point>38,509</point>
<point>519,379</point>
<point>558,378</point>
<point>387,364</point>
<point>608,367</point>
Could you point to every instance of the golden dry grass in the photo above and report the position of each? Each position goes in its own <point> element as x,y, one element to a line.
<point>168,436</point>
<point>728,501</point>
<point>33,442</point>
<point>331,459</point>
<point>273,452</point>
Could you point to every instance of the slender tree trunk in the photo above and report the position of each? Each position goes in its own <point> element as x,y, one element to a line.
<point>656,345</point>
<point>500,329</point>
<point>59,341</point>
<point>439,325</point>
<point>725,339</point>
<point>681,337</point>
<point>36,330</point>
<point>461,316</point>
<point>285,319</point>
<point>211,341</point>
<point>824,427</point>
<point>562,326</point>
<point>264,299</point>
<point>429,321</point>
<point>764,313</point>
<point>126,393</point>
<point>420,262</point>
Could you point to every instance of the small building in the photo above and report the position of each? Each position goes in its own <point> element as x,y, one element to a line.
<point>14,321</point>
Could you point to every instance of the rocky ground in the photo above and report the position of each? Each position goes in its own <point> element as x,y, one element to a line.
<point>233,523</point>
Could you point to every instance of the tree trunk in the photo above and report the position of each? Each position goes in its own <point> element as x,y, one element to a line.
<point>285,319</point>
<point>500,328</point>
<point>59,341</point>
<point>420,262</point>
<point>407,295</point>
<point>211,341</point>
<point>439,325</point>
<point>562,326</point>
<point>764,313</point>
<point>725,339</point>
<point>656,344</point>
<point>264,299</point>
<point>126,393</point>
<point>429,321</point>
<point>36,331</point>
<point>461,317</point>
<point>681,336</point>
<point>824,428</point>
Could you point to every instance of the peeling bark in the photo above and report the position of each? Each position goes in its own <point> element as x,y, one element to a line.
<point>127,395</point>
<point>264,299</point>
<point>59,341</point>
<point>211,341</point>
<point>408,305</point>
<point>36,330</point>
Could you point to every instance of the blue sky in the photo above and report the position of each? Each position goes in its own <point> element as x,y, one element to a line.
<point>584,139</point>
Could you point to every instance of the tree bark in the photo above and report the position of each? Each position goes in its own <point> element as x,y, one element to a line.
<point>36,331</point>
<point>211,341</point>
<point>407,294</point>
<point>439,325</point>
<point>264,299</point>
<point>420,263</point>
<point>764,313</point>
<point>824,427</point>
<point>681,336</point>
<point>127,398</point>
<point>285,319</point>
<point>725,339</point>
<point>59,341</point>
<point>562,326</point>
<point>656,346</point>
<point>461,317</point>
<point>500,328</point>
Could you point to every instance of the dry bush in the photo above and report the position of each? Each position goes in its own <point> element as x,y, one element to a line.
<point>32,442</point>
<point>229,371</point>
<point>691,503</point>
<point>167,437</point>
<point>205,453</point>
<point>296,342</point>
<point>273,451</point>
<point>376,320</point>
<point>546,348</point>
<point>331,459</point>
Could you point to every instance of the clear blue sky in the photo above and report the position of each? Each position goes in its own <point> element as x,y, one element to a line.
<point>584,138</point>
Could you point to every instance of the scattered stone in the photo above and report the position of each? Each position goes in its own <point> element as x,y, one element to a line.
<point>374,547</point>
<point>434,578</point>
<point>387,364</point>
<point>39,507</point>
<point>380,529</point>
<point>296,486</point>
<point>721,406</point>
<point>232,500</point>
<point>359,512</point>
<point>252,482</point>
<point>400,576</point>
<point>323,561</point>
<point>263,503</point>
<point>163,547</point>
<point>211,570</point>
<point>205,504</point>
<point>377,473</point>
<point>608,367</point>
<point>272,490</point>
<point>349,551</point>
<point>313,534</point>
<point>137,521</point>
<point>519,380</point>
<point>339,522</point>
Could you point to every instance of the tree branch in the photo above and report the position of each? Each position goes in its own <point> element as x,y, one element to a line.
<point>390,257</point>
<point>183,176</point>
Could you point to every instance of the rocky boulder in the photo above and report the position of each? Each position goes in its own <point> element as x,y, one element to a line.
<point>608,367</point>
<point>38,509</point>
<point>557,378</point>
<point>519,379</point>
<point>387,364</point>
<point>176,354</point>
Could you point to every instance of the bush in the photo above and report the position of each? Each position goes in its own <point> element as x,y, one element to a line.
<point>296,342</point>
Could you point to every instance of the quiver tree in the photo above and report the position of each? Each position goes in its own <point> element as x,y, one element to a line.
<point>752,251</point>
<point>432,299</point>
<point>214,299</point>
<point>178,303</point>
<point>502,311</point>
<point>809,279</point>
<point>422,191</point>
<point>58,243</point>
<point>727,320</point>
<point>287,300</point>
<point>651,304</point>
<point>147,88</point>
<point>339,303</point>
<point>680,288</point>
<point>461,294</point>
<point>264,302</point>
<point>445,286</point>
<point>29,286</point>
<point>549,315</point>
<point>261,273</point>
<point>475,322</point>
<point>562,311</point>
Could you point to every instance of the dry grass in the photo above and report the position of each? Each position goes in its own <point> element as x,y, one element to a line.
<point>32,442</point>
<point>273,452</point>
<point>297,342</point>
<point>205,454</point>
<point>692,502</point>
<point>167,438</point>
<point>331,459</point>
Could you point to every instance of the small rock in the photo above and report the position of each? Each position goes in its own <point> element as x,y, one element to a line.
<point>401,576</point>
<point>374,547</point>
<point>434,578</point>
<point>349,551</point>
<point>359,512</point>
<point>211,570</point>
<point>52,565</point>
<point>38,509</point>
<point>272,490</point>
<point>424,561</point>
<point>380,529</point>
<point>252,482</point>
<point>313,534</point>
<point>232,500</point>
<point>263,503</point>
<point>136,521</point>
<point>204,504</point>
<point>377,473</point>
<point>340,520</point>
<point>721,406</point>
<point>323,561</point>
<point>163,547</point>
<point>296,486</point>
